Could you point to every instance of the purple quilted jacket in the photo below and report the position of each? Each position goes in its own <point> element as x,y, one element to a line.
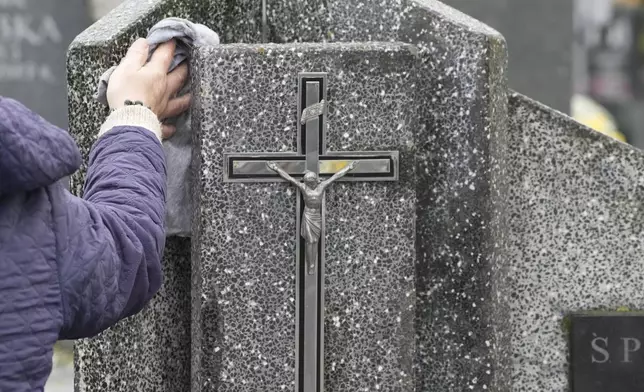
<point>71,267</point>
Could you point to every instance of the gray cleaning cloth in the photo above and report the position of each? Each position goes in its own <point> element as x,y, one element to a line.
<point>178,149</point>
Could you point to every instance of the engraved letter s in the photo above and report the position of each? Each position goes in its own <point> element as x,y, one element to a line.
<point>600,350</point>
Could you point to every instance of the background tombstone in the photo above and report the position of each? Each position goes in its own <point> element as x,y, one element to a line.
<point>540,44</point>
<point>34,36</point>
<point>101,7</point>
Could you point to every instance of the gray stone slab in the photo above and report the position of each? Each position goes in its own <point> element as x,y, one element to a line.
<point>462,75</point>
<point>571,240</point>
<point>150,351</point>
<point>34,36</point>
<point>333,21</point>
<point>506,225</point>
<point>540,43</point>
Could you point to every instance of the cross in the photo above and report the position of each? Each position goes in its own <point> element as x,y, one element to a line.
<point>311,156</point>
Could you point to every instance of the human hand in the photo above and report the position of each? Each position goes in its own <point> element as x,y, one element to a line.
<point>150,83</point>
<point>272,166</point>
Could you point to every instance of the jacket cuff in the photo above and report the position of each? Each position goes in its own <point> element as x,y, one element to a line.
<point>133,116</point>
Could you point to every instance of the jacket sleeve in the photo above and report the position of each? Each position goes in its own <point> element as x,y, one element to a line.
<point>111,241</point>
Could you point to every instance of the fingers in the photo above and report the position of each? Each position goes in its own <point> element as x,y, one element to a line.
<point>167,131</point>
<point>162,57</point>
<point>177,106</point>
<point>177,79</point>
<point>137,54</point>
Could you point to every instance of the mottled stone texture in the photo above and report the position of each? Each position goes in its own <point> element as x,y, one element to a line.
<point>244,326</point>
<point>151,350</point>
<point>573,237</point>
<point>463,85</point>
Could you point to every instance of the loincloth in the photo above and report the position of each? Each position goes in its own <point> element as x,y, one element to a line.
<point>311,225</point>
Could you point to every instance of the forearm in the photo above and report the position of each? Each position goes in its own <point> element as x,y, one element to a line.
<point>127,173</point>
<point>126,184</point>
<point>127,163</point>
<point>114,238</point>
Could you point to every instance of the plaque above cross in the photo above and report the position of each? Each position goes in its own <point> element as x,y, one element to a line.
<point>318,168</point>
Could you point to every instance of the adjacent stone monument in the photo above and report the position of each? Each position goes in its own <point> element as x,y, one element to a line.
<point>442,252</point>
<point>606,352</point>
<point>569,241</point>
<point>34,36</point>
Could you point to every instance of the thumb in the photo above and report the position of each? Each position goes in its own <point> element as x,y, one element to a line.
<point>167,131</point>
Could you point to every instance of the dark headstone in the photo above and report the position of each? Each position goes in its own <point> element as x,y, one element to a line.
<point>607,352</point>
<point>34,36</point>
<point>412,264</point>
<point>540,40</point>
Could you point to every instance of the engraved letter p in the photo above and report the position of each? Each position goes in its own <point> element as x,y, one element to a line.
<point>630,348</point>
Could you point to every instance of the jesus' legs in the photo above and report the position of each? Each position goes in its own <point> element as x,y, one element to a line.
<point>311,256</point>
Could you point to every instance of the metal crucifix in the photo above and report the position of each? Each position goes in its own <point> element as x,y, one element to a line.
<point>318,169</point>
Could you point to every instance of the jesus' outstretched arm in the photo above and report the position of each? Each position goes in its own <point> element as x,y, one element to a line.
<point>339,174</point>
<point>274,167</point>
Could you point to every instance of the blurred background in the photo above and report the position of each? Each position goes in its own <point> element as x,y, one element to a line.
<point>582,57</point>
<point>608,58</point>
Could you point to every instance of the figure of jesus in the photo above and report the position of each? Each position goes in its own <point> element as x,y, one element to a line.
<point>312,193</point>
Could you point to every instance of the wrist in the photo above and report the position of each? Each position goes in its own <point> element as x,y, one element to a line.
<point>121,103</point>
<point>133,116</point>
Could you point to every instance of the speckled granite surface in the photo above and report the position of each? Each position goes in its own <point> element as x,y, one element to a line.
<point>461,72</point>
<point>464,87</point>
<point>246,243</point>
<point>149,351</point>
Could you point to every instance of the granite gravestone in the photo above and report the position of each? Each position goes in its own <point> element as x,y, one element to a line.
<point>434,280</point>
<point>606,352</point>
<point>383,307</point>
<point>34,35</point>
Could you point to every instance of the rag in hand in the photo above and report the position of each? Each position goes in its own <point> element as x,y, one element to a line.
<point>178,149</point>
